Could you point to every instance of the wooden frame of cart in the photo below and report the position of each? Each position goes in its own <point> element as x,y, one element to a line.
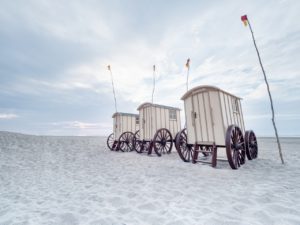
<point>159,124</point>
<point>125,126</point>
<point>214,119</point>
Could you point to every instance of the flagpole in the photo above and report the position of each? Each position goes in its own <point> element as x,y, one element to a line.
<point>187,73</point>
<point>113,86</point>
<point>153,82</point>
<point>187,79</point>
<point>269,92</point>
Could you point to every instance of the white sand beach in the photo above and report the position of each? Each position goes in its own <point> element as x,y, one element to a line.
<point>77,180</point>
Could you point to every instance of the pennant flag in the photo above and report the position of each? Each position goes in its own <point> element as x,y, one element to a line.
<point>108,67</point>
<point>188,63</point>
<point>245,20</point>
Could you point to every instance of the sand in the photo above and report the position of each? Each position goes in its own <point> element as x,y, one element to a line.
<point>77,180</point>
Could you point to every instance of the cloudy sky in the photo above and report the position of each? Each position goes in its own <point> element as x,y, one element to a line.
<point>54,57</point>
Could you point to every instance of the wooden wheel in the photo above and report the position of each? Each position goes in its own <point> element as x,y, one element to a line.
<point>110,141</point>
<point>137,143</point>
<point>185,151</point>
<point>235,147</point>
<point>162,141</point>
<point>126,142</point>
<point>251,145</point>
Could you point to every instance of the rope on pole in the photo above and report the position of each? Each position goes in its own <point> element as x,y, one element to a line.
<point>113,86</point>
<point>187,65</point>
<point>246,21</point>
<point>153,83</point>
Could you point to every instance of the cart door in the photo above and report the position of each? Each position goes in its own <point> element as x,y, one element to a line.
<point>202,117</point>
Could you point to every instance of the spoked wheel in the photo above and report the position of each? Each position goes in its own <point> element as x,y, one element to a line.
<point>251,145</point>
<point>162,141</point>
<point>110,141</point>
<point>185,151</point>
<point>126,142</point>
<point>137,145</point>
<point>235,147</point>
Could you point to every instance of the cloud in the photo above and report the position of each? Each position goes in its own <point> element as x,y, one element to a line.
<point>54,57</point>
<point>8,116</point>
<point>79,124</point>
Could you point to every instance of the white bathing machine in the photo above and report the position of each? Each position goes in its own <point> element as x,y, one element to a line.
<point>125,125</point>
<point>214,119</point>
<point>158,128</point>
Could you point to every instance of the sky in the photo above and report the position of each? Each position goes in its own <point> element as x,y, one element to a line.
<point>54,56</point>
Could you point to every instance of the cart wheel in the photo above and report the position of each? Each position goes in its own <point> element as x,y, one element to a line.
<point>235,147</point>
<point>162,141</point>
<point>126,142</point>
<point>251,145</point>
<point>137,143</point>
<point>184,150</point>
<point>110,141</point>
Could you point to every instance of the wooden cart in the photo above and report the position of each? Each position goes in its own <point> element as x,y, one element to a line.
<point>159,124</point>
<point>214,119</point>
<point>125,126</point>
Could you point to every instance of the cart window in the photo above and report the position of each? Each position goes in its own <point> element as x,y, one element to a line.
<point>137,120</point>
<point>172,114</point>
<point>235,105</point>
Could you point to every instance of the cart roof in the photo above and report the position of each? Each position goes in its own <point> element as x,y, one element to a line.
<point>148,104</point>
<point>204,88</point>
<point>124,114</point>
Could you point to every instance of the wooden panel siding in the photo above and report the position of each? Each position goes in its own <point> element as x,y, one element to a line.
<point>223,111</point>
<point>202,118</point>
<point>241,115</point>
<point>199,119</point>
<point>211,115</point>
<point>208,117</point>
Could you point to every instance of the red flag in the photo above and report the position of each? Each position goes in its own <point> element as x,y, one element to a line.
<point>244,19</point>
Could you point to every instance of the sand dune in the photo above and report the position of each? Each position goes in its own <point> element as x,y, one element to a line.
<point>77,180</point>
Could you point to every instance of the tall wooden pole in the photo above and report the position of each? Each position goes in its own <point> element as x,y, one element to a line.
<point>153,83</point>
<point>187,73</point>
<point>268,87</point>
<point>113,86</point>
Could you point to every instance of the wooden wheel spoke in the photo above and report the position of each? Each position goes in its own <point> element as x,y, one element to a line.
<point>186,152</point>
